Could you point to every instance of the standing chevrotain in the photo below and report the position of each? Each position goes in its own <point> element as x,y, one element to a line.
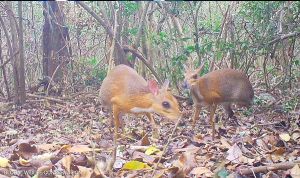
<point>219,87</point>
<point>125,91</point>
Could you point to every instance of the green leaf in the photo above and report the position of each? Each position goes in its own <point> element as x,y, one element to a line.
<point>135,165</point>
<point>151,150</point>
<point>92,61</point>
<point>130,7</point>
<point>133,31</point>
<point>209,46</point>
<point>130,58</point>
<point>4,162</point>
<point>190,48</point>
<point>219,55</point>
<point>222,173</point>
<point>162,35</point>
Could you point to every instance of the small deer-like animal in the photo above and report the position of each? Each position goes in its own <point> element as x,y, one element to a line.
<point>125,91</point>
<point>224,87</point>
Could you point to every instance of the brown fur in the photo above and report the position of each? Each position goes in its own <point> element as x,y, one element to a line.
<point>123,89</point>
<point>224,86</point>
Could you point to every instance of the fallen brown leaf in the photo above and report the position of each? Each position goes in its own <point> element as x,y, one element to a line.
<point>186,161</point>
<point>279,151</point>
<point>145,158</point>
<point>27,149</point>
<point>295,171</point>
<point>176,172</point>
<point>100,169</point>
<point>83,172</point>
<point>225,143</point>
<point>66,162</point>
<point>199,171</point>
<point>234,153</point>
<point>145,140</point>
<point>47,147</point>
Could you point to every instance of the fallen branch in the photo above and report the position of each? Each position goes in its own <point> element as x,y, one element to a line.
<point>272,167</point>
<point>265,124</point>
<point>140,148</point>
<point>72,96</point>
<point>166,146</point>
<point>33,101</point>
<point>47,98</point>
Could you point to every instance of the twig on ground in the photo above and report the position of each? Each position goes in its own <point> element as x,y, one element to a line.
<point>271,167</point>
<point>166,146</point>
<point>47,98</point>
<point>266,124</point>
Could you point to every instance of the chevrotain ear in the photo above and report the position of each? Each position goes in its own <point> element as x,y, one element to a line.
<point>153,87</point>
<point>199,69</point>
<point>185,67</point>
<point>165,85</point>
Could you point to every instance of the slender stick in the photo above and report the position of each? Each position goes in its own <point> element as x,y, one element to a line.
<point>166,146</point>
<point>271,167</point>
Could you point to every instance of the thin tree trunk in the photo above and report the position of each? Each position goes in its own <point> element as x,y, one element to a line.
<point>140,28</point>
<point>22,94</point>
<point>120,56</point>
<point>149,42</point>
<point>145,50</point>
<point>232,40</point>
<point>112,47</point>
<point>195,23</point>
<point>15,48</point>
<point>265,72</point>
<point>3,69</point>
<point>36,46</point>
<point>56,51</point>
<point>291,56</point>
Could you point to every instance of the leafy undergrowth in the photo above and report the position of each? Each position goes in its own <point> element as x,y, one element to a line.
<point>75,139</point>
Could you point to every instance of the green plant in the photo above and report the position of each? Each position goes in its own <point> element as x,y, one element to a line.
<point>248,112</point>
<point>93,73</point>
<point>257,101</point>
<point>130,7</point>
<point>290,104</point>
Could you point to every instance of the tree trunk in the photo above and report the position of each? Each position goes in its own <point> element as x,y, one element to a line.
<point>141,27</point>
<point>56,51</point>
<point>18,73</point>
<point>3,69</point>
<point>22,94</point>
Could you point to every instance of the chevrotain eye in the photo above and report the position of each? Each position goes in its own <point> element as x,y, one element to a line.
<point>166,104</point>
<point>194,76</point>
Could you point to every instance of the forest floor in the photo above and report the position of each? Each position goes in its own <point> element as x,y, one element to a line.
<point>72,137</point>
